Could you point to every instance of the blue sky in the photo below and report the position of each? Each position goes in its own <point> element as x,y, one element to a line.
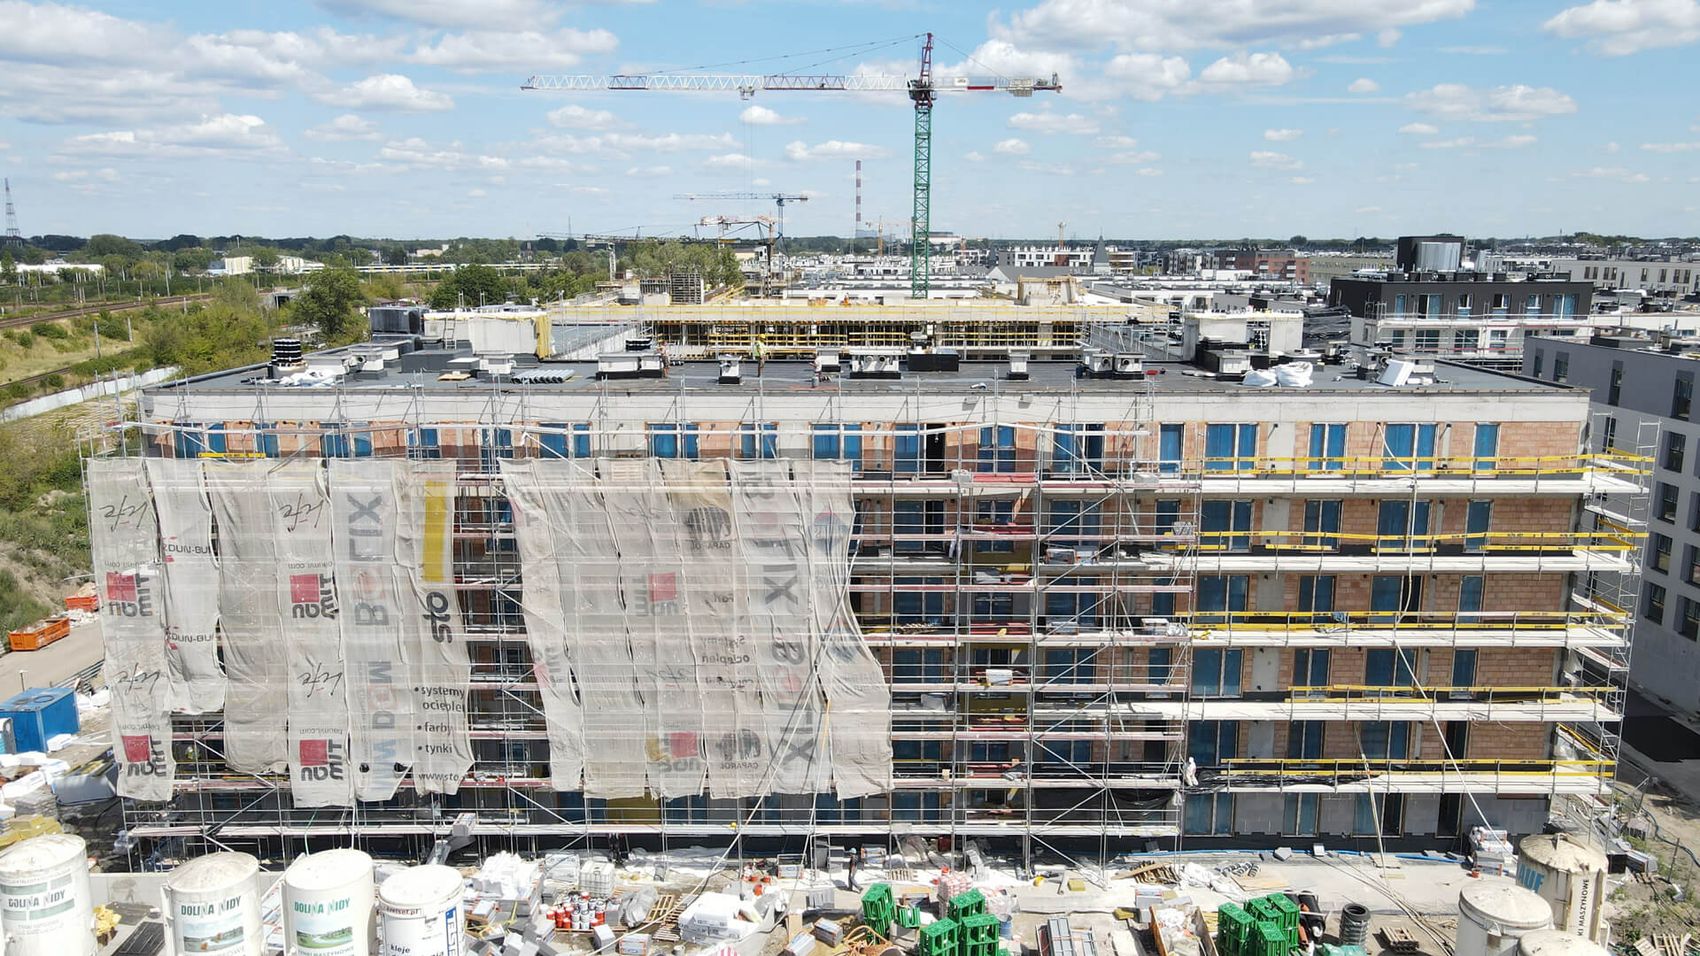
<point>1221,118</point>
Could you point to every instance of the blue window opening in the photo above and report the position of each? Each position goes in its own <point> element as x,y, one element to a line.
<point>1069,518</point>
<point>496,444</point>
<point>1386,667</point>
<point>1385,739</point>
<point>1230,447</point>
<point>422,443</point>
<point>1486,448</point>
<point>1327,447</point>
<point>188,441</point>
<point>1316,594</point>
<point>997,449</point>
<point>907,450</point>
<point>908,519</point>
<point>1402,525</point>
<point>1216,672</point>
<point>1322,524</point>
<point>758,441</point>
<point>835,442</point>
<point>554,444</point>
<point>265,439</point>
<point>1408,447</point>
<point>1470,597</point>
<point>1070,611</point>
<point>1220,595</point>
<point>344,441</point>
<point>673,441</point>
<point>1077,449</point>
<point>1170,442</point>
<point>1225,525</point>
<point>1476,522</point>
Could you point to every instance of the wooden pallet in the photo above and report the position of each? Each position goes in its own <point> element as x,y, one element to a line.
<point>1664,944</point>
<point>1399,939</point>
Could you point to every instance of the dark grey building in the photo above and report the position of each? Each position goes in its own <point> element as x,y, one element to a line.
<point>1643,393</point>
<point>1467,316</point>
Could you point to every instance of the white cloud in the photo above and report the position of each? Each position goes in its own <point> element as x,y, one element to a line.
<point>1364,84</point>
<point>974,156</point>
<point>1622,27</point>
<point>500,52</point>
<point>1115,142</point>
<point>649,172</point>
<point>1475,50</point>
<point>1301,180</point>
<point>1012,147</point>
<point>1419,129</point>
<point>1054,123</point>
<point>1248,69</point>
<point>1670,147</point>
<point>1282,135</point>
<point>1613,173</point>
<point>344,128</point>
<point>574,116</point>
<point>418,153</point>
<point>1470,142</point>
<point>665,142</point>
<point>1268,159</point>
<point>589,190</point>
<point>104,174</point>
<point>762,116</point>
<point>388,91</point>
<point>1501,104</point>
<point>1367,210</point>
<point>1136,158</point>
<point>1613,147</point>
<point>486,14</point>
<point>1388,37</point>
<point>729,161</point>
<point>1149,171</point>
<point>226,133</point>
<point>1188,24</point>
<point>476,193</point>
<point>281,57</point>
<point>1045,169</point>
<point>53,34</point>
<point>1148,76</point>
<point>834,149</point>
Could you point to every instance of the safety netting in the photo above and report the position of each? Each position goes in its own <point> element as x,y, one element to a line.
<point>688,624</point>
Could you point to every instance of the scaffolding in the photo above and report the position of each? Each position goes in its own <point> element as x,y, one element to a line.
<point>1032,589</point>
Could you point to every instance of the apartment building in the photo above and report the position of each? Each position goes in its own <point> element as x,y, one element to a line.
<point>1479,317</point>
<point>1643,391</point>
<point>1109,600</point>
<point>1669,277</point>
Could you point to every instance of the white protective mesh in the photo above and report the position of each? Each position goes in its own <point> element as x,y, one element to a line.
<point>185,541</point>
<point>700,611</point>
<point>124,542</point>
<point>250,617</point>
<point>433,638</point>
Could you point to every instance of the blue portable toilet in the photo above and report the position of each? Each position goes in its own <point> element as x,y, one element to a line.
<point>40,714</point>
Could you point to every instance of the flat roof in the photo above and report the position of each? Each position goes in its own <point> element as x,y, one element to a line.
<point>420,370</point>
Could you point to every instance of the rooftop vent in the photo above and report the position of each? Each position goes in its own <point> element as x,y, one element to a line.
<point>934,360</point>
<point>731,372</point>
<point>498,365</point>
<point>1120,365</point>
<point>640,343</point>
<point>826,361</point>
<point>1017,366</point>
<point>286,352</point>
<point>616,365</point>
<point>876,363</point>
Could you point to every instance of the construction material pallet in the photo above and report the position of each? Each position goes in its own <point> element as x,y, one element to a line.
<point>1399,939</point>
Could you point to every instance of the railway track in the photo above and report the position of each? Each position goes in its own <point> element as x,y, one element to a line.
<point>13,322</point>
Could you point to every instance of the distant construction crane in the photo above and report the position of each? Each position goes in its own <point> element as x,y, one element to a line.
<point>12,237</point>
<point>922,90</point>
<point>778,199</point>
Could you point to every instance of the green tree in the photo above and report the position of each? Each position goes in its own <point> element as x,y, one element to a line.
<point>265,258</point>
<point>471,284</point>
<point>8,268</point>
<point>106,244</point>
<point>331,301</point>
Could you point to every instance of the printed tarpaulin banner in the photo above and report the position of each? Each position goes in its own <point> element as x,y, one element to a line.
<point>432,633</point>
<point>374,598</point>
<point>251,618</point>
<point>124,546</point>
<point>319,771</point>
<point>191,597</point>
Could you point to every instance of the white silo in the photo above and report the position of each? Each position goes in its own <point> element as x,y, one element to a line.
<point>1571,876</point>
<point>1493,916</point>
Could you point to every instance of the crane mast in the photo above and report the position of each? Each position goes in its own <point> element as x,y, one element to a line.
<point>923,90</point>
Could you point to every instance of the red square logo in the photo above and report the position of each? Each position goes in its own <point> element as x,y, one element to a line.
<point>663,587</point>
<point>315,753</point>
<point>303,589</point>
<point>120,587</point>
<point>683,744</point>
<point>138,748</point>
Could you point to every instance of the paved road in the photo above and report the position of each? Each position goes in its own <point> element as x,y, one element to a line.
<point>1658,744</point>
<point>51,664</point>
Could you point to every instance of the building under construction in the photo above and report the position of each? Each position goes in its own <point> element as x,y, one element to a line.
<point>1067,603</point>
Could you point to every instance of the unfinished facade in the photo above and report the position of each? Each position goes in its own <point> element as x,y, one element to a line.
<point>1159,607</point>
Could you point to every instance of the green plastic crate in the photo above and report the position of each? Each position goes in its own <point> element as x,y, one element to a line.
<point>979,934</point>
<point>938,939</point>
<point>1283,911</point>
<point>1233,928</point>
<point>962,905</point>
<point>1267,939</point>
<point>879,909</point>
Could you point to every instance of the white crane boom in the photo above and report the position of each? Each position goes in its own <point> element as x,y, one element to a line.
<point>748,84</point>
